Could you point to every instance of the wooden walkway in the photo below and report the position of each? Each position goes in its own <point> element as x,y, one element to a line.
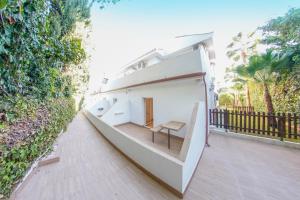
<point>90,168</point>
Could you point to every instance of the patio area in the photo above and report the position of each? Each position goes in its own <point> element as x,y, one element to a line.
<point>160,139</point>
<point>91,168</point>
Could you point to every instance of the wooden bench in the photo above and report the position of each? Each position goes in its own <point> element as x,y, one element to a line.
<point>155,130</point>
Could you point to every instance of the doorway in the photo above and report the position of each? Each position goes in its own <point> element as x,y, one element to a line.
<point>148,112</point>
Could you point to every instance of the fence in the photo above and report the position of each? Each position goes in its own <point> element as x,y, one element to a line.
<point>281,125</point>
<point>244,108</point>
<point>241,108</point>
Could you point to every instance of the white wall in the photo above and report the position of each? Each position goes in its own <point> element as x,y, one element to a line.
<point>179,65</point>
<point>206,67</point>
<point>119,113</point>
<point>153,61</point>
<point>160,164</point>
<point>196,146</point>
<point>105,104</point>
<point>176,173</point>
<point>171,101</point>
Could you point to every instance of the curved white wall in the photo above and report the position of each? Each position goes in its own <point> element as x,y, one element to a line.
<point>100,107</point>
<point>173,171</point>
<point>119,113</point>
<point>160,164</point>
<point>195,146</point>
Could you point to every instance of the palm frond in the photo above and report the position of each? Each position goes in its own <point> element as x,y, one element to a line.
<point>230,45</point>
<point>238,37</point>
<point>233,52</point>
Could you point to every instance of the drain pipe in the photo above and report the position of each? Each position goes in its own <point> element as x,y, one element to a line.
<point>206,112</point>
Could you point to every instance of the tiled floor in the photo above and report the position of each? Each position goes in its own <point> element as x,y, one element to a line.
<point>90,168</point>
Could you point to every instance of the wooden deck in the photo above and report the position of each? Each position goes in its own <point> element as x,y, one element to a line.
<point>160,139</point>
<point>90,168</point>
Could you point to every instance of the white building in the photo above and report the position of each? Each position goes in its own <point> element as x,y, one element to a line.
<point>153,91</point>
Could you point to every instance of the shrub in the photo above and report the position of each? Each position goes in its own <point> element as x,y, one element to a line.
<point>15,161</point>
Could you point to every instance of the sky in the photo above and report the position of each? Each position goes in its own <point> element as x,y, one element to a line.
<point>128,29</point>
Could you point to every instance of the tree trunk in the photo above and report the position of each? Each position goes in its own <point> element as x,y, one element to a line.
<point>248,96</point>
<point>269,104</point>
<point>268,99</point>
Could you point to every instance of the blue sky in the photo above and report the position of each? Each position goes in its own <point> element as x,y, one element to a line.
<point>126,30</point>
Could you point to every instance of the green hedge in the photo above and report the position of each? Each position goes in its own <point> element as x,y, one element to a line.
<point>14,162</point>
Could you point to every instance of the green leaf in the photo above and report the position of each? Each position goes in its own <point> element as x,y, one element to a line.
<point>3,4</point>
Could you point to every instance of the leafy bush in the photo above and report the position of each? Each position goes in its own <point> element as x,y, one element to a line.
<point>15,161</point>
<point>42,66</point>
<point>38,47</point>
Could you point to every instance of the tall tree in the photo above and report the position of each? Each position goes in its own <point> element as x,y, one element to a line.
<point>260,70</point>
<point>239,50</point>
<point>283,34</point>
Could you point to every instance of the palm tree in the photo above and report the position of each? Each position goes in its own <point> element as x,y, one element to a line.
<point>239,50</point>
<point>260,69</point>
<point>237,88</point>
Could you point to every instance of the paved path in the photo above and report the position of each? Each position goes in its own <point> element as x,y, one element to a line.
<point>90,168</point>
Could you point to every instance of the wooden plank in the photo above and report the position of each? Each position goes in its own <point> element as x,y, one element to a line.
<point>284,125</point>
<point>268,125</point>
<point>173,125</point>
<point>249,122</point>
<point>241,120</point>
<point>236,121</point>
<point>217,118</point>
<point>48,161</point>
<point>263,123</point>
<point>254,123</point>
<point>210,117</point>
<point>213,114</point>
<point>279,126</point>
<point>149,112</point>
<point>226,119</point>
<point>273,120</point>
<point>295,126</point>
<point>221,119</point>
<point>289,125</point>
<point>232,120</point>
<point>245,119</point>
<point>258,122</point>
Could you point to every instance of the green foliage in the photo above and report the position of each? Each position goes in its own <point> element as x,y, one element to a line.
<point>242,47</point>
<point>260,68</point>
<point>226,100</point>
<point>283,34</point>
<point>286,95</point>
<point>42,65</point>
<point>104,3</point>
<point>14,162</point>
<point>16,107</point>
<point>257,99</point>
<point>3,4</point>
<point>37,47</point>
<point>278,70</point>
